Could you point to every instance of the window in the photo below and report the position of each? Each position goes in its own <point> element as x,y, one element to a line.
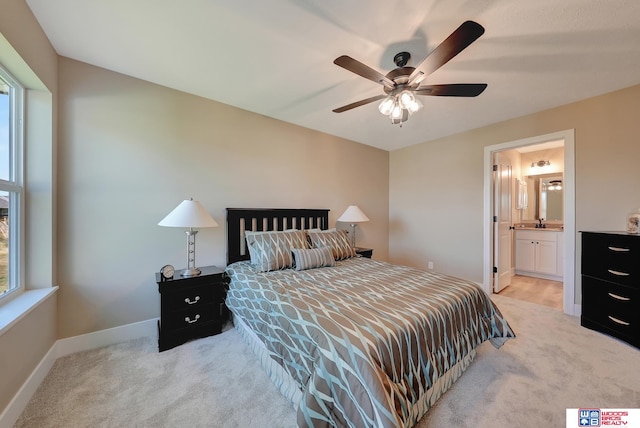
<point>11,187</point>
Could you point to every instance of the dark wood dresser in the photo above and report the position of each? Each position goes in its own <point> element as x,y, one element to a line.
<point>611,284</point>
<point>191,307</point>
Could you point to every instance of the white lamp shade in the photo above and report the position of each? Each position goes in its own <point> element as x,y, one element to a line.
<point>189,213</point>
<point>353,214</point>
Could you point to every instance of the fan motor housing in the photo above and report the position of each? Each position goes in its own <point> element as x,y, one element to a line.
<point>400,77</point>
<point>401,59</point>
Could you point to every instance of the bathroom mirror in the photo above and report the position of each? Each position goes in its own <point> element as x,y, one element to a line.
<point>545,197</point>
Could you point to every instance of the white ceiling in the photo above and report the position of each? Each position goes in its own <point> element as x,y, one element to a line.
<point>275,57</point>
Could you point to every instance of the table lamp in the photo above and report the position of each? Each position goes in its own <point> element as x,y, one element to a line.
<point>353,215</point>
<point>189,214</point>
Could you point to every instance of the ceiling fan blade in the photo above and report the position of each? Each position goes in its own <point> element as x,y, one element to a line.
<point>452,90</point>
<point>462,37</point>
<point>363,70</point>
<point>358,103</point>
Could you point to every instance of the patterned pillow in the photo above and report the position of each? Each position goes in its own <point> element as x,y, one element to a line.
<point>272,250</point>
<point>309,258</point>
<point>316,230</point>
<point>336,239</point>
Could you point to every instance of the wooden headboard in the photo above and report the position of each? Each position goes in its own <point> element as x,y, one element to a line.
<point>265,219</point>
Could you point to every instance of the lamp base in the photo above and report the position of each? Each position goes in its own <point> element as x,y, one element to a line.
<point>190,272</point>
<point>353,235</point>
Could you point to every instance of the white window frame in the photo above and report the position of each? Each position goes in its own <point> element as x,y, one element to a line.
<point>15,185</point>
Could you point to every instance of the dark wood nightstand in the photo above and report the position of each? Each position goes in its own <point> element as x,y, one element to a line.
<point>364,252</point>
<point>191,307</point>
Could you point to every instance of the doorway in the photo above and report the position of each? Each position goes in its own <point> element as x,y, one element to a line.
<point>568,139</point>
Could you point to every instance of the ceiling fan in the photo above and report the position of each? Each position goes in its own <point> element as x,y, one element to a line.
<point>401,85</point>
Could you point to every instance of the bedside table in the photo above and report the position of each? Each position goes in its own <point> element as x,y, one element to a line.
<point>364,252</point>
<point>191,307</point>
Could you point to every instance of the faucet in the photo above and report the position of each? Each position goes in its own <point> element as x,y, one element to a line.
<point>540,225</point>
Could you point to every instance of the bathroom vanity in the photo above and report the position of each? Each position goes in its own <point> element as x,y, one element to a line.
<point>539,252</point>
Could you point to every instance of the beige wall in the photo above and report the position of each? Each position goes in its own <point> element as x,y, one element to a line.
<point>27,54</point>
<point>436,188</point>
<point>130,151</point>
<point>23,346</point>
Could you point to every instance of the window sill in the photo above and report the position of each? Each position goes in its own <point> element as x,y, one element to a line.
<point>18,307</point>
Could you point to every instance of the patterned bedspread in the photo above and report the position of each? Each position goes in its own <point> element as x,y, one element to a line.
<point>365,340</point>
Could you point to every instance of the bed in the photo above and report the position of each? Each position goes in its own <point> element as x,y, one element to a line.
<point>350,341</point>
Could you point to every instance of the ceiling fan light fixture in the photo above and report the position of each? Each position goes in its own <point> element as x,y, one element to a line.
<point>395,105</point>
<point>406,99</point>
<point>396,112</point>
<point>386,106</point>
<point>414,106</point>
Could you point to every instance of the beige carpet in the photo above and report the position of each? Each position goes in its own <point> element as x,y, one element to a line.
<point>552,365</point>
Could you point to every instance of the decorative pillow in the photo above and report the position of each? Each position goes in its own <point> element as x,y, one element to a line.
<point>337,240</point>
<point>272,250</point>
<point>316,230</point>
<point>309,258</point>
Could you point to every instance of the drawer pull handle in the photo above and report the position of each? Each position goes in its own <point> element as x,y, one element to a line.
<point>620,250</point>
<point>616,320</point>
<point>615,296</point>
<point>187,319</point>
<point>615,272</point>
<point>191,302</point>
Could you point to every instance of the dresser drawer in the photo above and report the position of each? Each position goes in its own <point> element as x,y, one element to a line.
<point>606,301</point>
<point>630,334</point>
<point>612,257</point>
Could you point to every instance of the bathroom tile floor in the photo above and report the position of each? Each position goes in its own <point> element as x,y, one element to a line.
<point>535,290</point>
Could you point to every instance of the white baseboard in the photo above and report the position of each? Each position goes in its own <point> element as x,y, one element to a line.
<point>110,336</point>
<point>19,401</point>
<point>68,346</point>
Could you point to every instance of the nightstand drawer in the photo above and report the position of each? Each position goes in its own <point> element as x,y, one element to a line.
<point>187,297</point>
<point>185,318</point>
<point>168,339</point>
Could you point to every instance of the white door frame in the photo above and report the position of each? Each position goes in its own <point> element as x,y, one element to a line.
<point>568,136</point>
